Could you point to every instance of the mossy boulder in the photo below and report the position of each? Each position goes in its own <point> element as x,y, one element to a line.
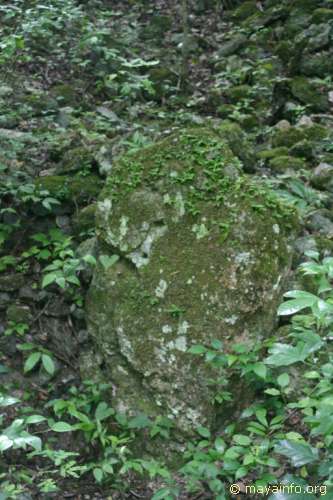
<point>322,15</point>
<point>317,65</point>
<point>203,255</point>
<point>246,10</point>
<point>75,190</point>
<point>84,220</point>
<point>268,154</point>
<point>238,93</point>
<point>239,143</point>
<point>289,136</point>
<point>78,159</point>
<point>282,163</point>
<point>310,94</point>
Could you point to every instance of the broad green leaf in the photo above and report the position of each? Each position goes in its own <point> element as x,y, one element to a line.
<point>272,392</point>
<point>90,259</point>
<point>103,411</point>
<point>48,364</point>
<point>108,261</point>
<point>197,349</point>
<point>283,380</point>
<point>35,419</point>
<point>5,443</point>
<point>8,400</point>
<point>285,354</point>
<point>219,445</point>
<point>98,474</point>
<point>261,416</point>
<point>295,305</point>
<point>139,422</point>
<point>48,279</point>
<point>241,439</point>
<point>260,369</point>
<point>298,453</point>
<point>61,427</point>
<point>204,432</point>
<point>32,361</point>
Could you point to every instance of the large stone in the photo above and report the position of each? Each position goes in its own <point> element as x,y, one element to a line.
<point>203,255</point>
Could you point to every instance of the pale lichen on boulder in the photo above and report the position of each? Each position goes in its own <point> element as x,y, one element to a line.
<point>203,255</point>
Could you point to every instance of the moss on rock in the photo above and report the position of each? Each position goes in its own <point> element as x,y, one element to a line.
<point>282,163</point>
<point>203,255</point>
<point>308,93</point>
<point>75,190</point>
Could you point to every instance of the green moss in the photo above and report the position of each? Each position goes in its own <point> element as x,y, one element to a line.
<point>308,93</point>
<point>74,190</point>
<point>84,220</point>
<point>78,159</point>
<point>315,133</point>
<point>247,9</point>
<point>282,163</point>
<point>322,15</point>
<point>238,92</point>
<point>287,137</point>
<point>302,149</point>
<point>317,65</point>
<point>293,135</point>
<point>268,154</point>
<point>203,251</point>
<point>239,143</point>
<point>163,80</point>
<point>65,94</point>
<point>306,5</point>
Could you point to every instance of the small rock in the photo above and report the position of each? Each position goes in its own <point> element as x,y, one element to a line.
<point>28,293</point>
<point>283,125</point>
<point>322,176</point>
<point>11,282</point>
<point>19,313</point>
<point>57,308</point>
<point>5,299</point>
<point>304,121</point>
<point>5,90</point>
<point>320,223</point>
<point>305,244</point>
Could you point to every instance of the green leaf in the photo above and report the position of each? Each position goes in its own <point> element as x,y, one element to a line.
<point>108,261</point>
<point>285,355</point>
<point>48,279</point>
<point>283,380</point>
<point>103,411</point>
<point>5,443</point>
<point>89,259</point>
<point>298,453</point>
<point>197,349</point>
<point>204,432</point>
<point>272,392</point>
<point>34,419</point>
<point>8,400</point>
<point>301,301</point>
<point>98,475</point>
<point>32,361</point>
<point>61,427</point>
<point>219,445</point>
<point>61,282</point>
<point>241,439</point>
<point>48,364</point>
<point>261,416</point>
<point>260,369</point>
<point>139,422</point>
